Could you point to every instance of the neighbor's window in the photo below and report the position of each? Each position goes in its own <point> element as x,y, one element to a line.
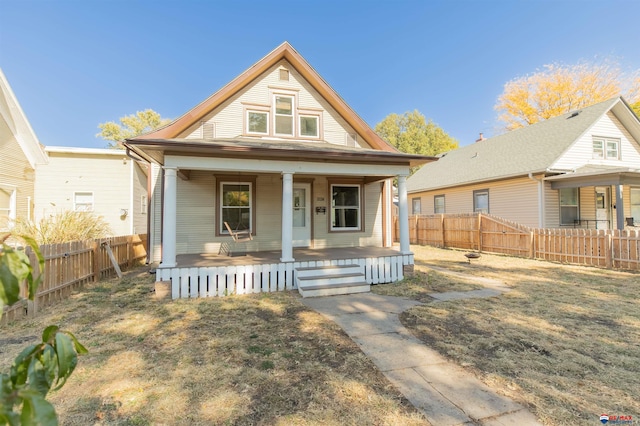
<point>235,205</point>
<point>635,205</point>
<point>481,201</point>
<point>416,206</point>
<point>83,201</point>
<point>606,148</point>
<point>309,126</point>
<point>569,206</point>
<point>7,207</point>
<point>438,204</point>
<point>345,207</point>
<point>284,115</point>
<point>257,122</point>
<point>143,204</point>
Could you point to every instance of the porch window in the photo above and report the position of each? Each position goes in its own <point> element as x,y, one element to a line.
<point>481,201</point>
<point>284,115</point>
<point>257,122</point>
<point>83,201</point>
<point>309,126</point>
<point>345,208</point>
<point>7,207</point>
<point>606,148</point>
<point>235,205</point>
<point>635,205</point>
<point>416,206</point>
<point>438,204</point>
<point>569,206</point>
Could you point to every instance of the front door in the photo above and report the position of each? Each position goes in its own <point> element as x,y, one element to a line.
<point>603,212</point>
<point>301,215</point>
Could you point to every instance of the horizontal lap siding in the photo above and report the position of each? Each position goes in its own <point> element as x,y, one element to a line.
<point>156,213</point>
<point>16,171</point>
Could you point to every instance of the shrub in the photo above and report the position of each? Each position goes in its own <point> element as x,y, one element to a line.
<point>64,227</point>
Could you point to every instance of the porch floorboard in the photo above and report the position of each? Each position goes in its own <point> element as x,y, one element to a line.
<point>273,256</point>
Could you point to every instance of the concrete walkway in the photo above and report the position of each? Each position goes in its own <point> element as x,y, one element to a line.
<point>445,393</point>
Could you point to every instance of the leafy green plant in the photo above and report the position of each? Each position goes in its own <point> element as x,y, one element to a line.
<point>38,367</point>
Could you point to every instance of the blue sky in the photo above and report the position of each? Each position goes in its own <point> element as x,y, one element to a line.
<point>75,64</point>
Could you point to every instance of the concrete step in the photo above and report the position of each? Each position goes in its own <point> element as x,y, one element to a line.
<point>334,289</point>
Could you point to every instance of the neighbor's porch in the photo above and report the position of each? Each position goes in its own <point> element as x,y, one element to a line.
<point>210,275</point>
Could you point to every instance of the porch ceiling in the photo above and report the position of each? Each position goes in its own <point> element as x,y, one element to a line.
<point>596,176</point>
<point>246,148</point>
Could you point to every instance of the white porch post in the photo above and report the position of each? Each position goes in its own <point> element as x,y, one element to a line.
<point>403,215</point>
<point>169,218</point>
<point>287,217</point>
<point>619,208</point>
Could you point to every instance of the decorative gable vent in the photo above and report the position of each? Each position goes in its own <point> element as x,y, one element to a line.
<point>351,139</point>
<point>284,74</point>
<point>208,130</point>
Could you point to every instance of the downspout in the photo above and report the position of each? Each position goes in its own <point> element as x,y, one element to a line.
<point>149,196</point>
<point>131,212</point>
<point>540,199</point>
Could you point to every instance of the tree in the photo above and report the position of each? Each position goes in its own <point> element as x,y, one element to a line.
<point>558,89</point>
<point>130,126</point>
<point>413,134</point>
<point>636,108</point>
<point>38,367</point>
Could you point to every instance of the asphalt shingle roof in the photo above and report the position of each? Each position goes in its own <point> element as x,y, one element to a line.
<point>527,150</point>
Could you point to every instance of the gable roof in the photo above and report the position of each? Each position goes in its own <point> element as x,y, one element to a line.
<point>531,149</point>
<point>16,122</point>
<point>287,52</point>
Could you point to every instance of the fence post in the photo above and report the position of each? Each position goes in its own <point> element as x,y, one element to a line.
<point>32,305</point>
<point>130,251</point>
<point>608,250</point>
<point>479,231</point>
<point>532,248</point>
<point>442,229</point>
<point>95,256</point>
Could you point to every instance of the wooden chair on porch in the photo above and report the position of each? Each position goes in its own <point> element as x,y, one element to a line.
<point>238,237</point>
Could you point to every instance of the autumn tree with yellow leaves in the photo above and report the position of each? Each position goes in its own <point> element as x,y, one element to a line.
<point>558,89</point>
<point>130,126</point>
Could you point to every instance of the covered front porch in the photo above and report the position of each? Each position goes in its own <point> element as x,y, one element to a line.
<point>210,275</point>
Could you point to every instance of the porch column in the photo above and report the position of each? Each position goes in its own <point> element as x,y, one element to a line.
<point>403,215</point>
<point>169,218</point>
<point>287,217</point>
<point>619,208</point>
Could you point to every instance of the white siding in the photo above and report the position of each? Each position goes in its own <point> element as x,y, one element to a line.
<point>156,214</point>
<point>581,152</point>
<point>139,189</point>
<point>229,119</point>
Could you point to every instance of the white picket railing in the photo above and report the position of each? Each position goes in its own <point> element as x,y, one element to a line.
<point>218,281</point>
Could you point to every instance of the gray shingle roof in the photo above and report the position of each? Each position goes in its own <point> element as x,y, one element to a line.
<point>530,149</point>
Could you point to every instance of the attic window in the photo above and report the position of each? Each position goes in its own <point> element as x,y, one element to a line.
<point>284,74</point>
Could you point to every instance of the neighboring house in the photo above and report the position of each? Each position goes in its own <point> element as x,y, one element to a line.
<point>103,181</point>
<point>20,154</point>
<point>580,169</point>
<point>278,153</point>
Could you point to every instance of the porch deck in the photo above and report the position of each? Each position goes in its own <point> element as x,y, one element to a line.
<point>210,275</point>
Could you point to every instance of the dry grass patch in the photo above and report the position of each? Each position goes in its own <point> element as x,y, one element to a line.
<point>565,341</point>
<point>241,360</point>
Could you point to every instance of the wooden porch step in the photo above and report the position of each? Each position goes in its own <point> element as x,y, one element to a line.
<point>334,289</point>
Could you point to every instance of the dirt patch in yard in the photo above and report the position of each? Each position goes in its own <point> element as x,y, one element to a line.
<point>565,340</point>
<point>241,360</point>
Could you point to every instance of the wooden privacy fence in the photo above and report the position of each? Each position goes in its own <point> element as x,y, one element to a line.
<point>69,265</point>
<point>486,233</point>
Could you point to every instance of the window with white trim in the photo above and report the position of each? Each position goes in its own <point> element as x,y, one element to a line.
<point>345,207</point>
<point>143,204</point>
<point>283,111</point>
<point>569,206</point>
<point>309,126</point>
<point>416,206</point>
<point>481,201</point>
<point>7,207</point>
<point>438,204</point>
<point>258,122</point>
<point>236,201</point>
<point>635,205</point>
<point>83,201</point>
<point>606,148</point>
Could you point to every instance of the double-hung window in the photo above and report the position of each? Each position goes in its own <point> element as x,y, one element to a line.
<point>83,201</point>
<point>7,207</point>
<point>236,200</point>
<point>284,115</point>
<point>606,148</point>
<point>346,214</point>
<point>635,205</point>
<point>438,204</point>
<point>569,206</point>
<point>481,201</point>
<point>416,206</point>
